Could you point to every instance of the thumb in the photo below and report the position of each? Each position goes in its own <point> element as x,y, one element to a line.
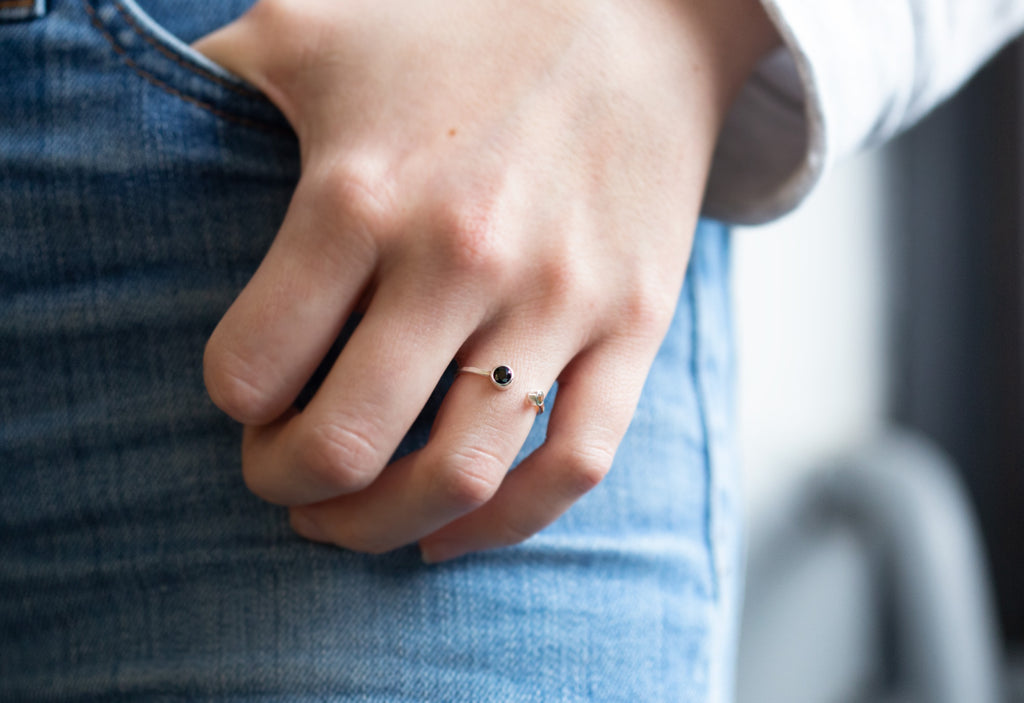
<point>228,48</point>
<point>256,51</point>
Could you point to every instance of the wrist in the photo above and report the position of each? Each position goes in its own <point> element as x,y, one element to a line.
<point>733,36</point>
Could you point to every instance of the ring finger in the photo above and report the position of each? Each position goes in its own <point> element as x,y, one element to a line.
<point>476,436</point>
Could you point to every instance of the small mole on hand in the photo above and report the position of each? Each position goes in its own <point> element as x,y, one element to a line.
<point>451,132</point>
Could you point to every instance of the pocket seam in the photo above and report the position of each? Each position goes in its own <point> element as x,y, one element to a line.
<point>198,70</point>
<point>120,51</point>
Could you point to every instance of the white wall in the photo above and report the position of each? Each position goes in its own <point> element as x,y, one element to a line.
<point>810,323</point>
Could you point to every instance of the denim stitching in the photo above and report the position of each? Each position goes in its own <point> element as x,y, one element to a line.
<point>198,70</point>
<point>119,50</point>
<point>695,355</point>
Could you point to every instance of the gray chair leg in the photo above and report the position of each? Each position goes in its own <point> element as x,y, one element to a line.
<point>904,496</point>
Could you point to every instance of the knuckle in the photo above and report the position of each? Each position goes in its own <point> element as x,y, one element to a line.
<point>471,242</point>
<point>564,277</point>
<point>586,466</point>
<point>470,477</point>
<point>341,455</point>
<point>359,192</point>
<point>649,310</point>
<point>235,387</point>
<point>568,287</point>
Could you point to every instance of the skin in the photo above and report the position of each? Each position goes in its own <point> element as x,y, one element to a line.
<point>496,182</point>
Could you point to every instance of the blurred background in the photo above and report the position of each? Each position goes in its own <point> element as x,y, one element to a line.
<point>881,337</point>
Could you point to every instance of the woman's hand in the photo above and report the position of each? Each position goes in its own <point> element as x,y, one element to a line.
<point>500,182</point>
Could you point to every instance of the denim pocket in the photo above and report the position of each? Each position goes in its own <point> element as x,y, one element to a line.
<point>17,10</point>
<point>170,64</point>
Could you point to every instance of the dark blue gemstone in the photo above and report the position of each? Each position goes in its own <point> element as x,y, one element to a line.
<point>502,375</point>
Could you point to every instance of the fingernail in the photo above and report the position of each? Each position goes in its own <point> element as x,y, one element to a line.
<point>437,552</point>
<point>304,525</point>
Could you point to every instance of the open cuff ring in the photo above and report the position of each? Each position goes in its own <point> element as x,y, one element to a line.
<point>501,378</point>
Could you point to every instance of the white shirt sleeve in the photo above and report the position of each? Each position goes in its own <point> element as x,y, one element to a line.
<point>852,74</point>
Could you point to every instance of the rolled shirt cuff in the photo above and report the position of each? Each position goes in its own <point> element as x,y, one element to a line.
<point>851,74</point>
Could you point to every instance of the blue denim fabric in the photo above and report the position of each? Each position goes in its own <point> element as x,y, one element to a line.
<point>140,186</point>
<point>13,10</point>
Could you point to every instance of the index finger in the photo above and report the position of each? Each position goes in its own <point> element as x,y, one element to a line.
<point>271,339</point>
<point>377,387</point>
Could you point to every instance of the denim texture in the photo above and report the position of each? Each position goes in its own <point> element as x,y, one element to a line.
<point>140,186</point>
<point>14,10</point>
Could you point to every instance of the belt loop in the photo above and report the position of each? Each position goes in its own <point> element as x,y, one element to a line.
<point>17,10</point>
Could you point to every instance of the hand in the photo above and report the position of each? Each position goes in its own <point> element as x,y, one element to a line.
<point>497,182</point>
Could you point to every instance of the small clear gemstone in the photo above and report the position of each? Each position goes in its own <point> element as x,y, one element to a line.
<point>537,398</point>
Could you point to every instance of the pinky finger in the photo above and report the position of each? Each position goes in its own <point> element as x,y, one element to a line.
<point>585,430</point>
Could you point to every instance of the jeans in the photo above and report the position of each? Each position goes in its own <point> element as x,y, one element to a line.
<point>140,186</point>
